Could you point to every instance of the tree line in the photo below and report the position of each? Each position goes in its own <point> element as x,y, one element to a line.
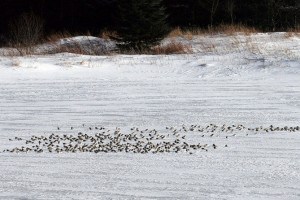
<point>78,16</point>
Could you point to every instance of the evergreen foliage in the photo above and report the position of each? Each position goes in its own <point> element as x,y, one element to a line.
<point>142,24</point>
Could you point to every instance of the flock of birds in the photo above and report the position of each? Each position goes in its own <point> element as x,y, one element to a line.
<point>172,140</point>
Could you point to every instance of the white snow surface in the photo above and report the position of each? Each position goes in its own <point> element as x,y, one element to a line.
<point>251,80</point>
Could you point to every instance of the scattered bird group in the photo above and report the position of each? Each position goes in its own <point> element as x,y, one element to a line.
<point>231,128</point>
<point>137,141</point>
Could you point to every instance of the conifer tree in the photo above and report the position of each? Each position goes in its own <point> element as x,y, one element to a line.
<point>142,24</point>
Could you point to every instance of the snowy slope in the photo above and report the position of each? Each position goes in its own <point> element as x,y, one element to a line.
<point>249,80</point>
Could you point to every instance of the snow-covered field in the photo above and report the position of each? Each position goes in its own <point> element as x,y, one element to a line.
<point>233,80</point>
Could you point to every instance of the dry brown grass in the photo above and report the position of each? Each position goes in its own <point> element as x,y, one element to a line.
<point>208,47</point>
<point>233,29</point>
<point>294,30</point>
<point>171,48</point>
<point>177,32</point>
<point>291,32</point>
<point>106,34</point>
<point>54,37</point>
<point>221,29</point>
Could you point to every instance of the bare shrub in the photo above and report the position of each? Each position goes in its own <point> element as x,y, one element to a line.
<point>25,32</point>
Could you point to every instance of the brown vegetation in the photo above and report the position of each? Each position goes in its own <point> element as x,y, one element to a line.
<point>221,29</point>
<point>171,48</point>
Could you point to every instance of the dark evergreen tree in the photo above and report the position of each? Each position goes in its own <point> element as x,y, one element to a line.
<point>144,19</point>
<point>142,24</point>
